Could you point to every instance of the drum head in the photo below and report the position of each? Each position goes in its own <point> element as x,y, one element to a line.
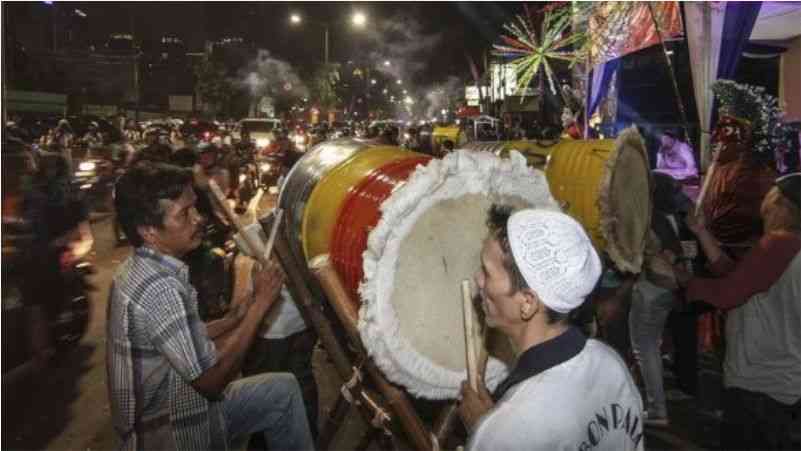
<point>625,201</point>
<point>428,240</point>
<point>431,255</point>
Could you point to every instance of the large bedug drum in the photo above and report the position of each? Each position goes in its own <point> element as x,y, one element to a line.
<point>402,230</point>
<point>604,184</point>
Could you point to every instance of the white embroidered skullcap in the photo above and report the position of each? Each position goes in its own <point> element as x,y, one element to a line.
<point>555,257</point>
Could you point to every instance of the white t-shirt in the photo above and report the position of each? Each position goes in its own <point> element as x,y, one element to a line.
<point>588,402</point>
<point>763,340</point>
<point>283,319</point>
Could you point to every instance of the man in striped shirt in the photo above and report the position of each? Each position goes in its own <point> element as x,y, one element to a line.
<point>171,377</point>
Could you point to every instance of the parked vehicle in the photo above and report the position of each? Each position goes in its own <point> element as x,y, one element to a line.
<point>95,177</point>
<point>300,138</point>
<point>198,131</point>
<point>82,124</point>
<point>259,131</point>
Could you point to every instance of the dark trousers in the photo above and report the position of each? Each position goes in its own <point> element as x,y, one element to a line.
<point>755,421</point>
<point>684,331</point>
<point>292,354</point>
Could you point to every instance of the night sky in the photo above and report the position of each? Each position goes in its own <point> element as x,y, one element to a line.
<point>430,38</point>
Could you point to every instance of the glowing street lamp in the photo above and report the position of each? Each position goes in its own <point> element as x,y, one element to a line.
<point>359,19</point>
<point>372,82</point>
<point>387,63</point>
<point>296,19</point>
<point>400,82</point>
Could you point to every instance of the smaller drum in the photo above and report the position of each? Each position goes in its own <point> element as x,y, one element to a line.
<point>606,186</point>
<point>535,152</point>
<point>603,184</point>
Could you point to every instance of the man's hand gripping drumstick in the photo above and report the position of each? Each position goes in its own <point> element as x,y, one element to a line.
<point>475,399</point>
<point>267,269</point>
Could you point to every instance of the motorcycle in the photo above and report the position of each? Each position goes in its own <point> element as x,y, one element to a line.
<point>95,177</point>
<point>271,164</point>
<point>261,169</point>
<point>45,296</point>
<point>45,299</point>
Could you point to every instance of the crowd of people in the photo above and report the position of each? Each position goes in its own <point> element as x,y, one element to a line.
<point>557,363</point>
<point>178,340</point>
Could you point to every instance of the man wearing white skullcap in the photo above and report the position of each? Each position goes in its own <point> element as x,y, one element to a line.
<point>566,391</point>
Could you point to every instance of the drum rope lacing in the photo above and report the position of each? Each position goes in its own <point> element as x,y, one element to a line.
<point>381,417</point>
<point>355,379</point>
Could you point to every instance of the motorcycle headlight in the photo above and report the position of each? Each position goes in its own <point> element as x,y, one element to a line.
<point>87,166</point>
<point>263,142</point>
<point>265,167</point>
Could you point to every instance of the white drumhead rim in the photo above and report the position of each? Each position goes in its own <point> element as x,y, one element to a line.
<point>628,138</point>
<point>458,174</point>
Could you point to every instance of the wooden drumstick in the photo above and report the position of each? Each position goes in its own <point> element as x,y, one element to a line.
<point>240,228</point>
<point>707,179</point>
<point>278,216</point>
<point>469,335</point>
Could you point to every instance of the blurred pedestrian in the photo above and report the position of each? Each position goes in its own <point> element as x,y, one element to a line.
<point>654,296</point>
<point>675,158</point>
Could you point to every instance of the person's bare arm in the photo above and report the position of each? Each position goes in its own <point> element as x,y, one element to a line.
<point>220,327</point>
<point>228,323</point>
<point>719,261</point>
<point>474,404</point>
<point>756,272</point>
<point>233,345</point>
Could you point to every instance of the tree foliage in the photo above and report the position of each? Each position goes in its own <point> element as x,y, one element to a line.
<point>213,86</point>
<point>326,86</point>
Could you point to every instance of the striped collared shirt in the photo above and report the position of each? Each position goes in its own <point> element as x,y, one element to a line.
<point>157,345</point>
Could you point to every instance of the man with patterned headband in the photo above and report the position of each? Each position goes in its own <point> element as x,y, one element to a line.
<point>566,391</point>
<point>738,185</point>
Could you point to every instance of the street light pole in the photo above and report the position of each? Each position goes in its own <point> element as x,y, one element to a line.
<point>326,44</point>
<point>358,19</point>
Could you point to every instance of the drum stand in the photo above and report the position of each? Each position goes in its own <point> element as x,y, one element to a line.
<point>379,410</point>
